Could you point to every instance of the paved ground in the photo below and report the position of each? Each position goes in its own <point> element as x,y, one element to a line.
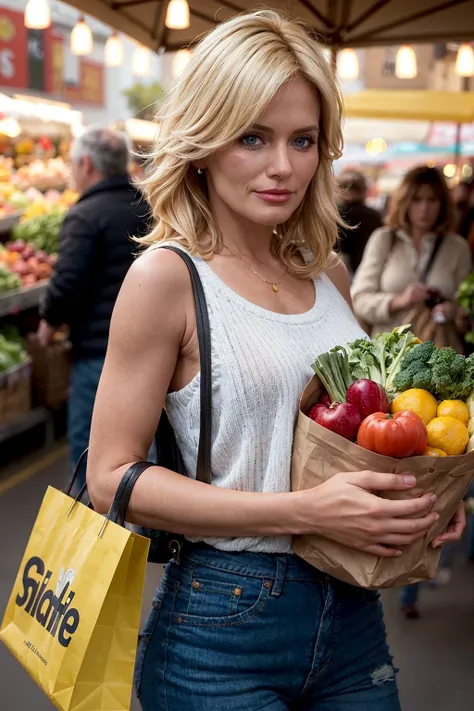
<point>435,654</point>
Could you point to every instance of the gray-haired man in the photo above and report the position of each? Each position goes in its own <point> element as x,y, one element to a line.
<point>94,256</point>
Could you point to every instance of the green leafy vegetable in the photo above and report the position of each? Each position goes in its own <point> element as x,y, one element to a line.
<point>380,358</point>
<point>452,375</point>
<point>42,231</point>
<point>334,372</point>
<point>8,280</point>
<point>442,371</point>
<point>414,371</point>
<point>11,353</point>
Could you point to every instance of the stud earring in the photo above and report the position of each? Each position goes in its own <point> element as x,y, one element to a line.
<point>200,171</point>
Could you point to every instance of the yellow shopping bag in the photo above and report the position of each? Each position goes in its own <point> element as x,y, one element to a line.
<point>74,613</point>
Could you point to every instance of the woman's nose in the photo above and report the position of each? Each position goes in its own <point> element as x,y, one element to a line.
<point>280,164</point>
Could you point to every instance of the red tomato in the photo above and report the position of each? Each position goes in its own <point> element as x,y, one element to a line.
<point>400,435</point>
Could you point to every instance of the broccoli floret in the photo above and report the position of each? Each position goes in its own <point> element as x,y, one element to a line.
<point>414,369</point>
<point>419,354</point>
<point>451,374</point>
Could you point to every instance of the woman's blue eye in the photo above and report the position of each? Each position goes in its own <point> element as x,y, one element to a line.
<point>304,141</point>
<point>250,140</point>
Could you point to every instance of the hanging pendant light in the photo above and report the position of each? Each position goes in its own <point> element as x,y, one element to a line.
<point>347,64</point>
<point>405,63</point>
<point>81,38</point>
<point>37,15</point>
<point>465,61</point>
<point>180,60</point>
<point>141,61</point>
<point>177,15</point>
<point>113,51</point>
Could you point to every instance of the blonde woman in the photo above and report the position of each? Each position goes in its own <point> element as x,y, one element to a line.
<point>242,181</point>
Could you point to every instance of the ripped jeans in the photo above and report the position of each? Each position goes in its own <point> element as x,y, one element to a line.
<point>233,631</point>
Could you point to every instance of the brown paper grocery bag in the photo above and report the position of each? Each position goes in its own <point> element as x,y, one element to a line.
<point>318,454</point>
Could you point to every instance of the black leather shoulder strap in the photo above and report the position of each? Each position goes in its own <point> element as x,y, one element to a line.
<point>118,509</point>
<point>429,264</point>
<point>203,469</point>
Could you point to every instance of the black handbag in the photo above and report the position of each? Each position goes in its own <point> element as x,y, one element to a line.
<point>164,545</point>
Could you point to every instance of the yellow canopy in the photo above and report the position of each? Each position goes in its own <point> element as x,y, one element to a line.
<point>411,105</point>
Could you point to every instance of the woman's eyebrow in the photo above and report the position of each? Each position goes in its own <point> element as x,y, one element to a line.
<point>313,127</point>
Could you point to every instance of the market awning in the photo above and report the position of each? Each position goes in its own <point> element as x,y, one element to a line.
<point>342,23</point>
<point>454,107</point>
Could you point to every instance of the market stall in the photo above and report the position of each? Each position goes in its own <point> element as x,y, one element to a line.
<point>35,138</point>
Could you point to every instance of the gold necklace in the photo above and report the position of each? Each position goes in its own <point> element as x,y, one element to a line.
<point>272,284</point>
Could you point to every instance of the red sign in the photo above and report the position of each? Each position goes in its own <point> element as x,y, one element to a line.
<point>90,87</point>
<point>13,49</point>
<point>35,60</point>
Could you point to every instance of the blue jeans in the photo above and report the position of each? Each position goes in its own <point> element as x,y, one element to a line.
<point>85,378</point>
<point>233,631</point>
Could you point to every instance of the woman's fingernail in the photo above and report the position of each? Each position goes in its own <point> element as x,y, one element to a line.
<point>398,553</point>
<point>440,544</point>
<point>409,479</point>
<point>433,498</point>
<point>436,518</point>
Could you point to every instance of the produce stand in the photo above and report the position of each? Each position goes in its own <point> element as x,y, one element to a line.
<point>12,302</point>
<point>23,423</point>
<point>8,222</point>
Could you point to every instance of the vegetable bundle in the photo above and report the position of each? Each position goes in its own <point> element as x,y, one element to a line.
<point>397,396</point>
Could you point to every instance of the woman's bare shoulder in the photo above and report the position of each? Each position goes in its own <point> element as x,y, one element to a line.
<point>337,272</point>
<point>156,293</point>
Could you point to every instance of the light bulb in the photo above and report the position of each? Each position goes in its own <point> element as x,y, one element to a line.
<point>180,60</point>
<point>405,63</point>
<point>113,51</point>
<point>177,15</point>
<point>37,15</point>
<point>141,61</point>
<point>465,61</point>
<point>450,170</point>
<point>347,64</point>
<point>81,38</point>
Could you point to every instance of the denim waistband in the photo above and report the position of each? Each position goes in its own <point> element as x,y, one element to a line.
<point>278,567</point>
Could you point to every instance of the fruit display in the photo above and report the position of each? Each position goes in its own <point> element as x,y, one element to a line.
<point>398,397</point>
<point>23,265</point>
<point>41,231</point>
<point>12,353</point>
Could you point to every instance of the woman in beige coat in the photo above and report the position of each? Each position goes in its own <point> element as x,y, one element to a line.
<point>388,283</point>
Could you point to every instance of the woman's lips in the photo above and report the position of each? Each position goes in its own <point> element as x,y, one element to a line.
<point>274,197</point>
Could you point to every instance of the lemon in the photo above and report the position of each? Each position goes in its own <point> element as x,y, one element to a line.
<point>434,452</point>
<point>448,434</point>
<point>454,408</point>
<point>421,402</point>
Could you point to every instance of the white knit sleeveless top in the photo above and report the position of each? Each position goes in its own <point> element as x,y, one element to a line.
<point>261,362</point>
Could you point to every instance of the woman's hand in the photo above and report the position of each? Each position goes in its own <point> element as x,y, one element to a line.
<point>455,528</point>
<point>447,309</point>
<point>414,294</point>
<point>345,509</point>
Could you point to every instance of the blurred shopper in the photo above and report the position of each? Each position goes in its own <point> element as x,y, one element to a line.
<point>95,254</point>
<point>355,213</point>
<point>415,260</point>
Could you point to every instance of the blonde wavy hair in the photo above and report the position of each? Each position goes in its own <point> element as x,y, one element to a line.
<point>231,78</point>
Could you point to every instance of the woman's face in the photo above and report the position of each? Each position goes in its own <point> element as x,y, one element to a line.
<point>264,175</point>
<point>424,209</point>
